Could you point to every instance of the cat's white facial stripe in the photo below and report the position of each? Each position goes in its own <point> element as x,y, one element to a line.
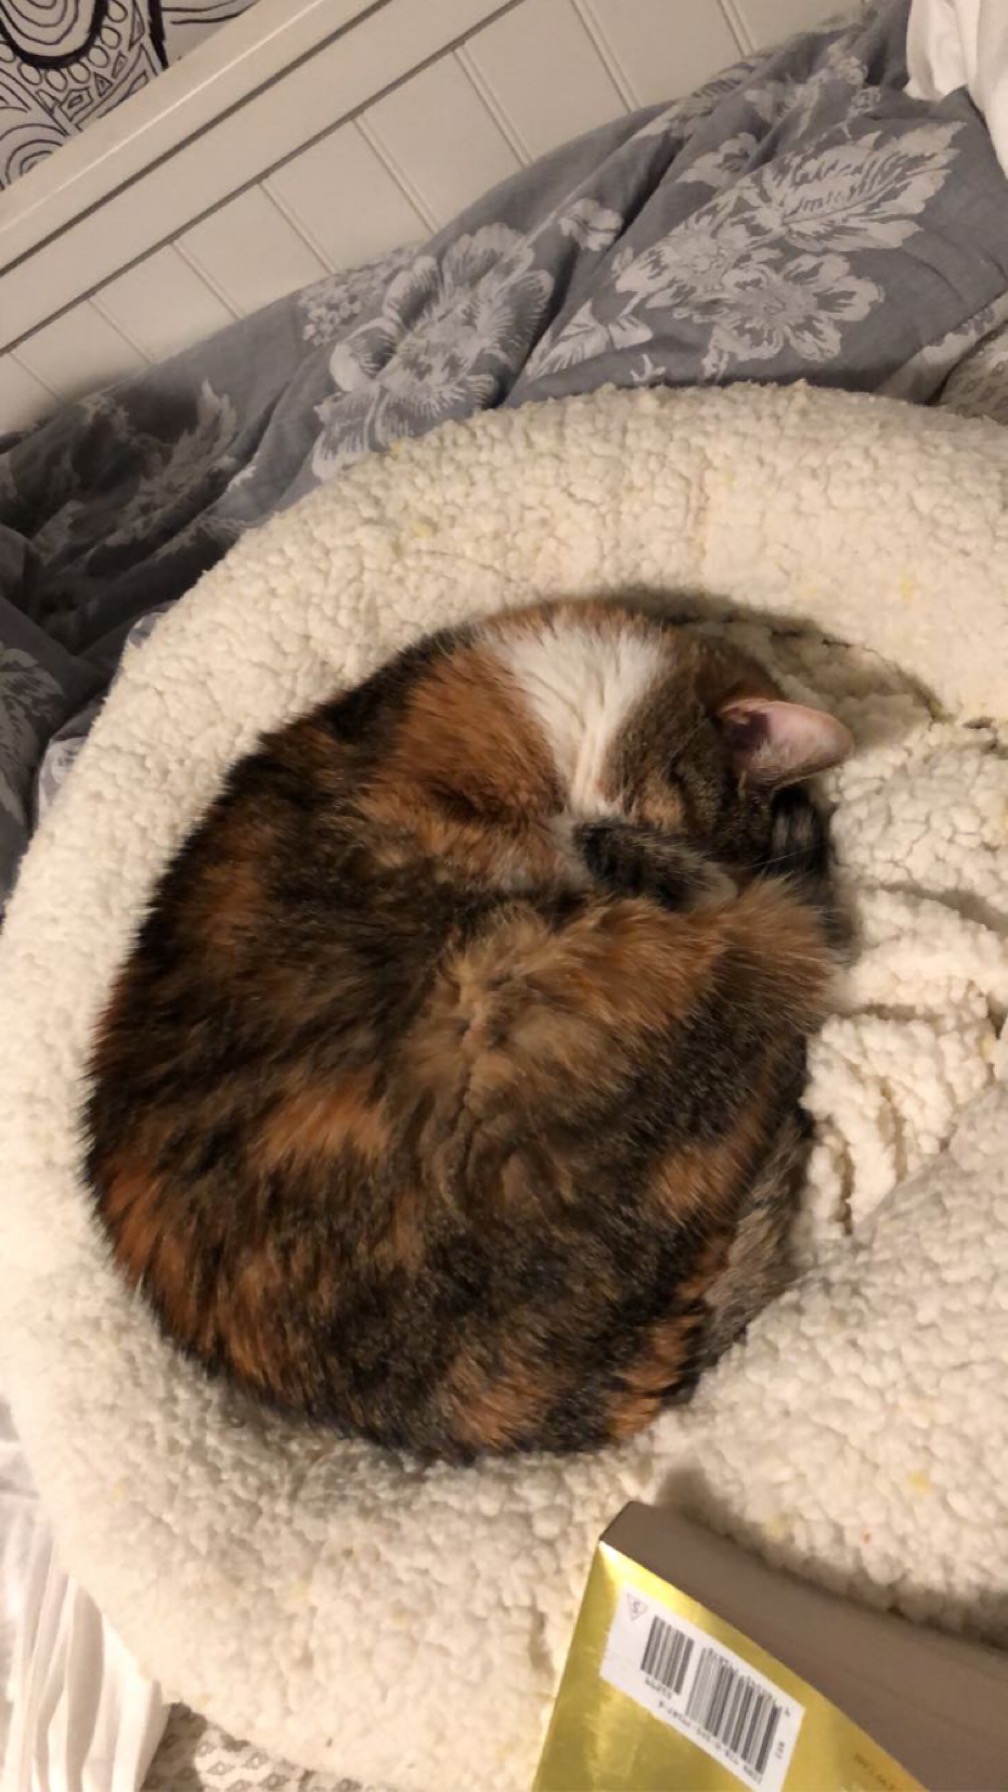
<point>582,684</point>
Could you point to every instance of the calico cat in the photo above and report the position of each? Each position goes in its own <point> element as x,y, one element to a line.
<point>450,1093</point>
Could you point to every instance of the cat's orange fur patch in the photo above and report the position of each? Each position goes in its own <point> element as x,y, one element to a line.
<point>132,1210</point>
<point>669,1348</point>
<point>322,1121</point>
<point>782,940</point>
<point>466,731</point>
<point>625,966</point>
<point>497,1409</point>
<point>250,1336</point>
<point>663,1359</point>
<point>232,900</point>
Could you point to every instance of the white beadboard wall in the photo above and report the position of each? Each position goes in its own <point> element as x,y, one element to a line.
<point>310,135</point>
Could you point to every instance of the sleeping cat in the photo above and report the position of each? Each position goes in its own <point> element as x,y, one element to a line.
<point>450,1094</point>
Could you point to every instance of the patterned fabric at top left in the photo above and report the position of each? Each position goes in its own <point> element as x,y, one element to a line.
<point>66,62</point>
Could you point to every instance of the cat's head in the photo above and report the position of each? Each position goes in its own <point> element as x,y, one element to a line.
<point>508,737</point>
<point>661,725</point>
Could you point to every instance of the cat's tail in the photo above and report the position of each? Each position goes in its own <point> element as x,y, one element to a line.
<point>759,1263</point>
<point>779,944</point>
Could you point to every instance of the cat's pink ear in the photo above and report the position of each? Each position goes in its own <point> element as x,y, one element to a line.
<point>775,743</point>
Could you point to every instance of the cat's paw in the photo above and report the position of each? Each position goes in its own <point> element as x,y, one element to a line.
<point>799,845</point>
<point>800,852</point>
<point>629,859</point>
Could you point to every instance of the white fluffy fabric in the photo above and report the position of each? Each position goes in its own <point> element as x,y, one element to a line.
<point>406,1626</point>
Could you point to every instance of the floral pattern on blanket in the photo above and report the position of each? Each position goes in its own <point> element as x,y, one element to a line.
<point>450,333</point>
<point>758,267</point>
<point>29,699</point>
<point>797,218</point>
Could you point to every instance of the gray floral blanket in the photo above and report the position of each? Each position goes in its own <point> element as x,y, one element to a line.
<point>799,217</point>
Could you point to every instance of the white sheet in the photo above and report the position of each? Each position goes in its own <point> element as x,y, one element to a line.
<point>962,43</point>
<point>76,1713</point>
<point>18,1524</point>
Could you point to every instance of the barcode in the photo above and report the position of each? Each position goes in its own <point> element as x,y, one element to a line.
<point>733,1710</point>
<point>704,1690</point>
<point>667,1654</point>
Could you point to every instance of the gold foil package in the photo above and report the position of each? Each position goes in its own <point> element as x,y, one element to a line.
<point>663,1692</point>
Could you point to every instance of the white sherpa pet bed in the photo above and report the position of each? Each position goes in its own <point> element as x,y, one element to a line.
<point>353,1612</point>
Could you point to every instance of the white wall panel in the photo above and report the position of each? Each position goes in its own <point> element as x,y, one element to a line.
<point>343,197</point>
<point>162,305</point>
<point>186,99</point>
<point>267,188</point>
<point>770,21</point>
<point>23,398</point>
<point>250,252</point>
<point>436,129</point>
<point>240,147</point>
<point>544,73</point>
<point>79,352</point>
<point>662,48</point>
